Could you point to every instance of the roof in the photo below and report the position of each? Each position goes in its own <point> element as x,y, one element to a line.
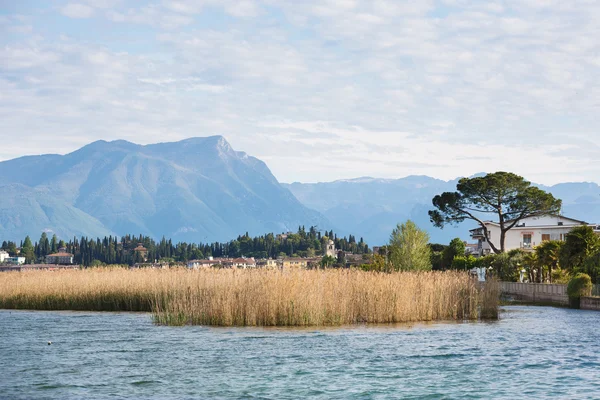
<point>532,226</point>
<point>60,255</point>
<point>243,260</point>
<point>140,248</point>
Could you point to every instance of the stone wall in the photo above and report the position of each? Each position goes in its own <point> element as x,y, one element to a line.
<point>590,303</point>
<point>536,292</point>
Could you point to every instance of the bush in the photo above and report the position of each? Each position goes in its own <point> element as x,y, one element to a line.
<point>579,285</point>
<point>465,263</point>
<point>561,276</point>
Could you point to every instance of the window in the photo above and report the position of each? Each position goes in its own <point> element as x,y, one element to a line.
<point>526,241</point>
<point>545,237</point>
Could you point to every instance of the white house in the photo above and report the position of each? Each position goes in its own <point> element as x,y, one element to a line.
<point>527,234</point>
<point>3,256</point>
<point>15,260</point>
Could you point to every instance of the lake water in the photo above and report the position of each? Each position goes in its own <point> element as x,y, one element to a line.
<point>532,352</point>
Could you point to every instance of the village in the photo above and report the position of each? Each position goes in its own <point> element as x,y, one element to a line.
<point>525,236</point>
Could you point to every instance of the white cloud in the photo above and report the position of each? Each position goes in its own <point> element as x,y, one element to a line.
<point>76,10</point>
<point>395,86</point>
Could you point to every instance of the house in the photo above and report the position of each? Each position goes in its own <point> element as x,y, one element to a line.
<point>528,233</point>
<point>15,260</point>
<point>270,263</point>
<point>298,262</point>
<point>142,251</point>
<point>60,258</point>
<point>3,256</point>
<point>471,249</point>
<point>243,262</point>
<point>197,264</point>
<point>282,236</point>
<point>295,262</point>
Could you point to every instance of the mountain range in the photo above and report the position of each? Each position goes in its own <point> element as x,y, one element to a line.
<point>373,206</point>
<point>196,190</point>
<point>201,190</point>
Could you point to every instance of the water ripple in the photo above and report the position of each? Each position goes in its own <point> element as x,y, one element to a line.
<point>532,352</point>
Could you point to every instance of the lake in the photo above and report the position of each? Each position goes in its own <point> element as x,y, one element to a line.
<point>532,352</point>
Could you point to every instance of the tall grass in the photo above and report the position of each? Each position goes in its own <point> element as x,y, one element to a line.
<point>256,297</point>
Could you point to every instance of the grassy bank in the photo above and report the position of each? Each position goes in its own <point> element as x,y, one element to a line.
<point>255,297</point>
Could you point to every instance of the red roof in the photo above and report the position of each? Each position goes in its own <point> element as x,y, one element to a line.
<point>60,255</point>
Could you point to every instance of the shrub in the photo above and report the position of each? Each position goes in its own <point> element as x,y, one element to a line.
<point>465,263</point>
<point>580,285</point>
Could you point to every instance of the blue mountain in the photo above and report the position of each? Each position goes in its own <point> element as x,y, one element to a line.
<point>372,207</point>
<point>198,189</point>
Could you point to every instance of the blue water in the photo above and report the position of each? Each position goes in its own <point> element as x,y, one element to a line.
<point>532,352</point>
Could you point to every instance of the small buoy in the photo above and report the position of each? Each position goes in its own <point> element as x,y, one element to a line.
<point>49,343</point>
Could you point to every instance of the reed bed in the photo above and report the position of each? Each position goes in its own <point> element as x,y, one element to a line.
<point>256,297</point>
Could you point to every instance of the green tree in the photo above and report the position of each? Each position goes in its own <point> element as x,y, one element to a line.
<point>27,251</point>
<point>54,244</point>
<point>454,249</point>
<point>465,263</point>
<point>44,245</point>
<point>548,256</point>
<point>327,261</point>
<point>591,266</point>
<point>507,196</point>
<point>580,243</point>
<point>409,249</point>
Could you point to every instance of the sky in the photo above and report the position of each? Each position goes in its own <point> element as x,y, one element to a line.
<point>318,89</point>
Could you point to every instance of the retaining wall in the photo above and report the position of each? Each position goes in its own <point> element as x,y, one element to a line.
<point>590,303</point>
<point>536,292</point>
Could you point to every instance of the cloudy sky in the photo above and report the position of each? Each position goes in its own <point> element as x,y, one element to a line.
<point>320,90</point>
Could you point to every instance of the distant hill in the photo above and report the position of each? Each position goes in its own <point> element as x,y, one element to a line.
<point>372,207</point>
<point>198,189</point>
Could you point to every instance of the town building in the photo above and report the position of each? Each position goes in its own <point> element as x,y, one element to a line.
<point>300,263</point>
<point>241,262</point>
<point>142,251</point>
<point>330,250</point>
<point>296,262</point>
<point>471,249</point>
<point>60,258</point>
<point>3,256</point>
<point>15,260</point>
<point>197,264</point>
<point>277,263</point>
<point>528,233</point>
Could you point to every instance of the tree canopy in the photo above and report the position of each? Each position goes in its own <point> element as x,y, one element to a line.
<point>503,195</point>
<point>409,248</point>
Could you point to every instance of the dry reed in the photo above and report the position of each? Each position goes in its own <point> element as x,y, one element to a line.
<point>256,297</point>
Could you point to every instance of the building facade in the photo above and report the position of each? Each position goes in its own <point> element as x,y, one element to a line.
<point>330,250</point>
<point>15,260</point>
<point>60,258</point>
<point>527,234</point>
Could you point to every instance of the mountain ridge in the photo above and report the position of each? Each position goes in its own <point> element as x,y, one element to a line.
<point>198,189</point>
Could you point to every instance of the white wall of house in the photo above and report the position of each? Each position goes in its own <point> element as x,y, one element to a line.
<point>529,232</point>
<point>3,256</point>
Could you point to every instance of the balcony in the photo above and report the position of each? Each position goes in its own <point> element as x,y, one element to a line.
<point>527,246</point>
<point>477,234</point>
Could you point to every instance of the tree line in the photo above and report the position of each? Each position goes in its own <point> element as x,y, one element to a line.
<point>115,250</point>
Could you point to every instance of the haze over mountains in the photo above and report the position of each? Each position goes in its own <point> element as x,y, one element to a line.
<point>201,190</point>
